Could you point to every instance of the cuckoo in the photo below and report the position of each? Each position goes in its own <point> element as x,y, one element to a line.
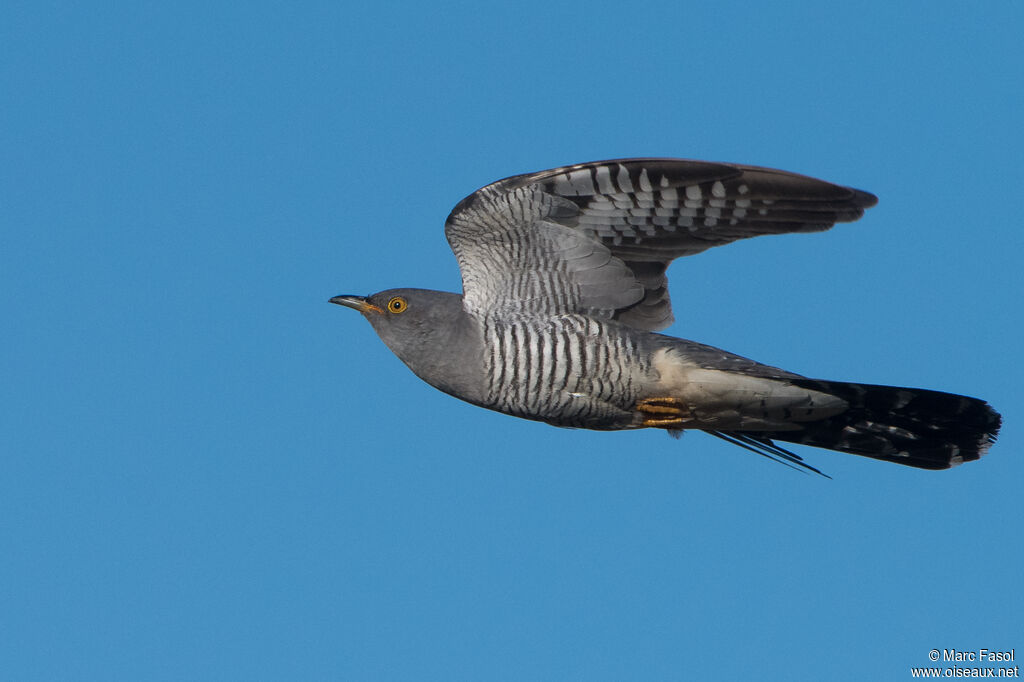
<point>564,289</point>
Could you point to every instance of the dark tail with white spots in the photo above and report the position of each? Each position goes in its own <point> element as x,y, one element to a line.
<point>910,426</point>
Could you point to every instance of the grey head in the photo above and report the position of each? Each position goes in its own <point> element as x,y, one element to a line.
<point>430,332</point>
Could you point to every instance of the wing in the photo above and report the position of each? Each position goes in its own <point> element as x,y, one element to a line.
<point>596,238</point>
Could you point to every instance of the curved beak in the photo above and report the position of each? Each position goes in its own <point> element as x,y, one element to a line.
<point>357,303</point>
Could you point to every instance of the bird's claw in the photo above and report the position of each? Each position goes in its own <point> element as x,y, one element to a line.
<point>664,413</point>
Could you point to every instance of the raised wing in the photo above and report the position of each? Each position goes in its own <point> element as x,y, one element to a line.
<point>596,238</point>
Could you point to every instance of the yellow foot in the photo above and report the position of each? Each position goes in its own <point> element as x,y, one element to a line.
<point>664,413</point>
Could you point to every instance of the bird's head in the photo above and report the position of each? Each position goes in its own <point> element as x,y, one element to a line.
<point>409,321</point>
<point>430,332</point>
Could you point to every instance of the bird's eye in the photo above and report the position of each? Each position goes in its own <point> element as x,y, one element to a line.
<point>397,305</point>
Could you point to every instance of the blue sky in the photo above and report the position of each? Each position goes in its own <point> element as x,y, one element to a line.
<point>210,473</point>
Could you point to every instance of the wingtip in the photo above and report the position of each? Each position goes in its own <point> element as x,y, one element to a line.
<point>863,199</point>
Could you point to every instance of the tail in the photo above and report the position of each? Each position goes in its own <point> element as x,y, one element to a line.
<point>910,426</point>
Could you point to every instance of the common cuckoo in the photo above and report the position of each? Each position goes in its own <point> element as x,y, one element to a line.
<point>564,287</point>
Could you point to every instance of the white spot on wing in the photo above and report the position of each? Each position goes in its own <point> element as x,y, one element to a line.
<point>693,192</point>
<point>718,189</point>
<point>581,181</point>
<point>623,180</point>
<point>902,398</point>
<point>645,183</point>
<point>604,181</point>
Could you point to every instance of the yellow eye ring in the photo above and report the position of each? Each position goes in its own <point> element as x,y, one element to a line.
<point>397,305</point>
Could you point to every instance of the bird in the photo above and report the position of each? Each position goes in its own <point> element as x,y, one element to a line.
<point>564,293</point>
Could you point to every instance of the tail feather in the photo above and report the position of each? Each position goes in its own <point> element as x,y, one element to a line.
<point>910,426</point>
<point>766,448</point>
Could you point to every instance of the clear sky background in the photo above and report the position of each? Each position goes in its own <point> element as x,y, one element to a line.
<point>208,472</point>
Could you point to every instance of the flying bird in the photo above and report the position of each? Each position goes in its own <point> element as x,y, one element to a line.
<point>564,290</point>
